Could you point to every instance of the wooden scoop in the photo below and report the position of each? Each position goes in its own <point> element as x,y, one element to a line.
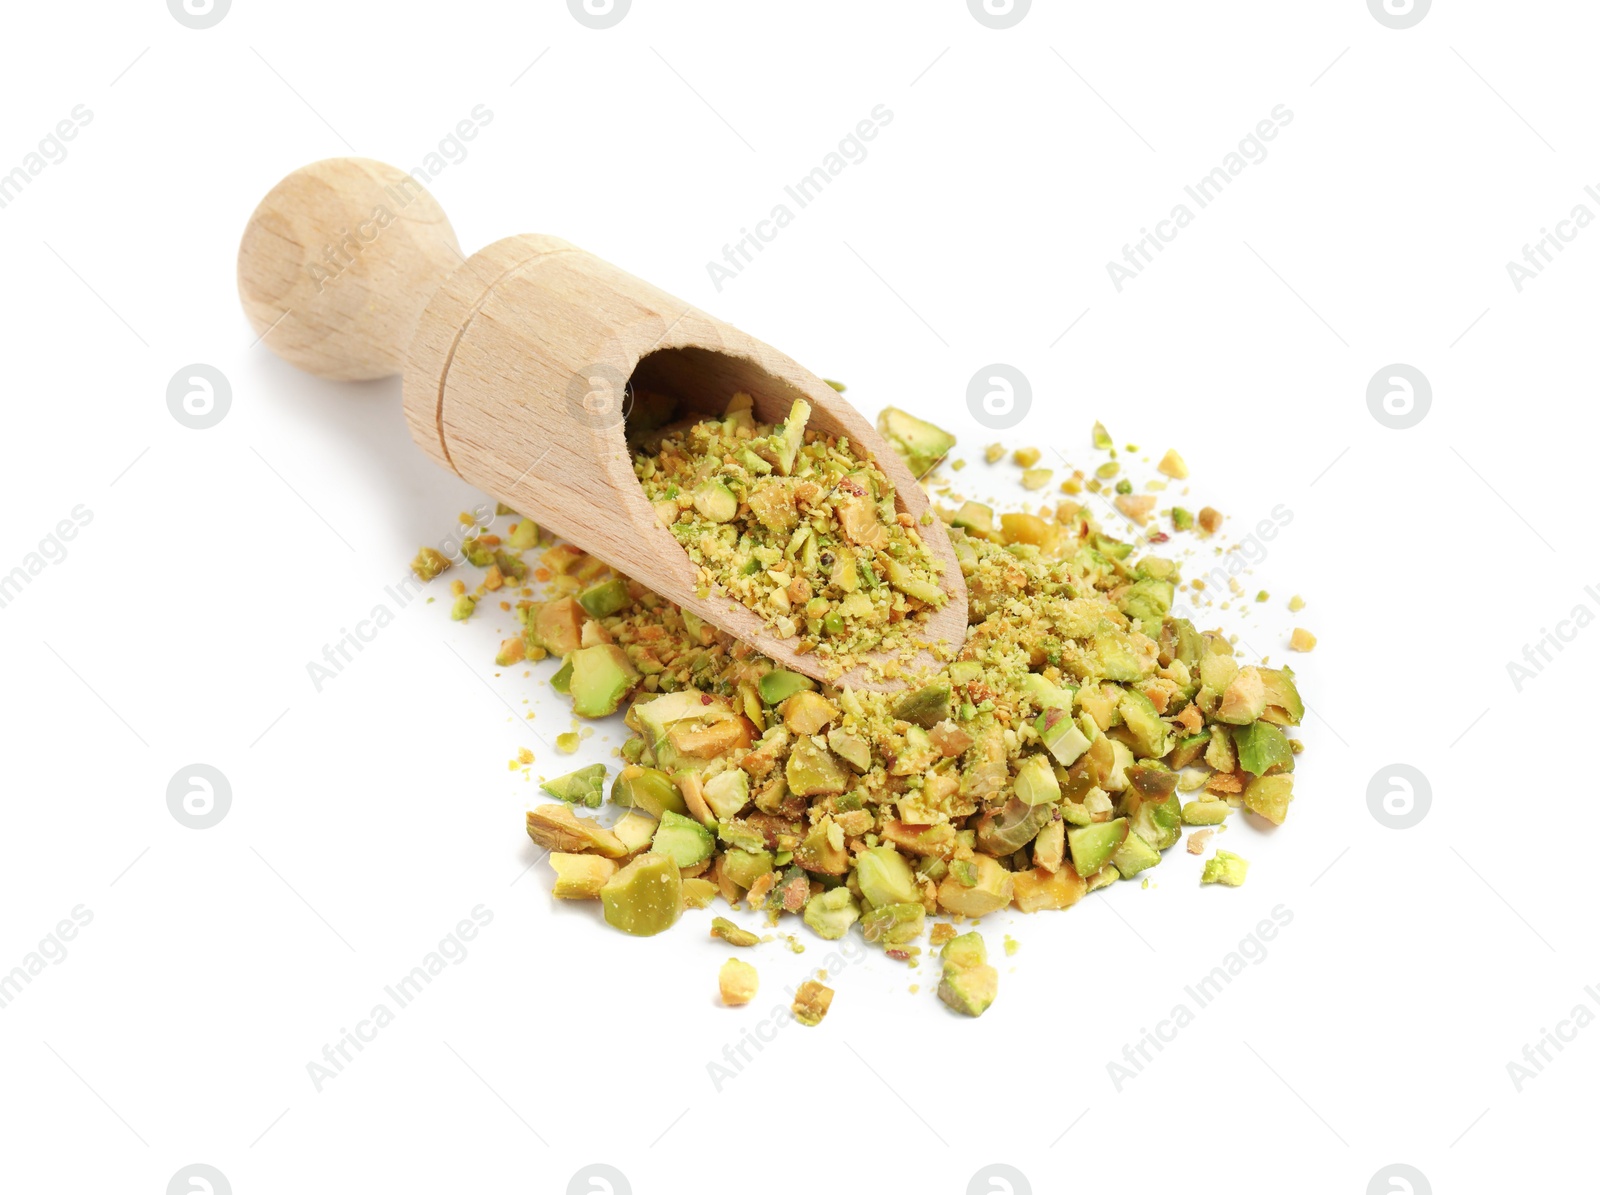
<point>518,365</point>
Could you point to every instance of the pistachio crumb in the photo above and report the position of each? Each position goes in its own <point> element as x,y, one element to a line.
<point>1225,868</point>
<point>811,1002</point>
<point>429,564</point>
<point>1036,479</point>
<point>738,982</point>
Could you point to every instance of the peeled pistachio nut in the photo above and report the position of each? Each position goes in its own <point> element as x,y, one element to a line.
<point>730,933</point>
<point>737,982</point>
<point>645,897</point>
<point>648,789</point>
<point>557,828</point>
<point>968,984</point>
<point>919,443</point>
<point>831,914</point>
<point>429,564</point>
<point>1092,846</point>
<point>580,877</point>
<point>683,839</point>
<point>1269,796</point>
<point>811,1002</point>
<point>884,877</point>
<point>990,889</point>
<point>893,925</point>
<point>582,787</point>
<point>1224,868</point>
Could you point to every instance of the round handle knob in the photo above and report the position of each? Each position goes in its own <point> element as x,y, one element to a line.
<point>339,261</point>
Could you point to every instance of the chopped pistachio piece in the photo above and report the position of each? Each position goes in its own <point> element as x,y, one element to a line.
<point>698,893</point>
<point>605,598</point>
<point>737,982</point>
<point>645,897</point>
<point>1269,797</point>
<point>429,564</point>
<point>1093,845</point>
<point>582,787</point>
<point>1224,868</point>
<point>635,830</point>
<point>1206,813</point>
<point>968,984</point>
<point>557,828</point>
<point>919,443</point>
<point>893,925</point>
<point>523,535</point>
<point>730,933</point>
<point>478,551</point>
<point>925,707</point>
<point>885,878</point>
<point>831,913</point>
<point>683,839</point>
<point>580,877</point>
<point>647,789</point>
<point>811,1002</point>
<point>1262,748</point>
<point>602,676</point>
<point>1036,479</point>
<point>779,685</point>
<point>982,888</point>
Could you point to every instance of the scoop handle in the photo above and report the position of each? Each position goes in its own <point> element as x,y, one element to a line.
<point>339,261</point>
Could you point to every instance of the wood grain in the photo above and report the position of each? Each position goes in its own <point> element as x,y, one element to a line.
<point>514,368</point>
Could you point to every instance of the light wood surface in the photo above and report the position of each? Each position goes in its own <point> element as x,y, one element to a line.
<point>515,362</point>
<point>338,262</point>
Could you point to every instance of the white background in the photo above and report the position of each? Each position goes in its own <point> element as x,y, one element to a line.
<point>369,818</point>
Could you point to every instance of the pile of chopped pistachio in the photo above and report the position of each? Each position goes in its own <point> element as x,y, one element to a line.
<point>794,525</point>
<point>1078,731</point>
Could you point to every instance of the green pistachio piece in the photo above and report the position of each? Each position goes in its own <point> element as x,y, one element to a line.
<point>893,925</point>
<point>831,913</point>
<point>730,933</point>
<point>683,839</point>
<point>1224,868</point>
<point>645,897</point>
<point>885,878</point>
<point>582,787</point>
<point>968,984</point>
